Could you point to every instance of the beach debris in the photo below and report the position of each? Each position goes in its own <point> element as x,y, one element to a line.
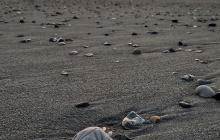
<point>174,72</point>
<point>132,121</point>
<point>201,82</point>
<point>81,105</point>
<point>134,33</point>
<point>61,43</point>
<point>205,91</point>
<point>153,32</point>
<point>135,45</point>
<point>93,133</point>
<point>203,62</point>
<point>184,104</point>
<point>107,44</point>
<point>175,21</point>
<point>25,41</point>
<point>73,52</point>
<point>53,40</point>
<point>137,51</point>
<point>171,50</point>
<point>56,26</point>
<point>145,26</point>
<point>64,73</point>
<point>130,44</point>
<point>106,34</point>
<point>85,46</point>
<point>99,26</point>
<point>155,119</point>
<point>75,17</point>
<point>21,21</point>
<point>88,54</point>
<point>212,25</point>
<point>188,77</point>
<point>180,43</point>
<point>198,51</point>
<point>60,39</point>
<point>217,96</point>
<point>160,18</point>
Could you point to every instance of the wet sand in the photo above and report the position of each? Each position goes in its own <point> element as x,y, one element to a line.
<point>37,102</point>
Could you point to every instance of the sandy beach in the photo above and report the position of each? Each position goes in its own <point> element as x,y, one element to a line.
<point>39,103</point>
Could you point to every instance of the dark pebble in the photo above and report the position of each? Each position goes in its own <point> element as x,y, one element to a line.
<point>21,21</point>
<point>145,26</point>
<point>112,30</point>
<point>106,34</point>
<point>154,32</point>
<point>134,34</point>
<point>184,104</point>
<point>69,39</point>
<point>75,17</point>
<point>58,13</point>
<point>180,43</point>
<point>33,21</point>
<point>171,50</point>
<point>81,105</point>
<point>89,33</point>
<point>212,25</point>
<point>121,137</point>
<point>175,21</point>
<point>56,26</point>
<point>53,40</point>
<point>20,36</point>
<point>217,96</point>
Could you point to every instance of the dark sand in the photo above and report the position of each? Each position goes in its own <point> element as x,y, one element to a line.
<point>37,102</point>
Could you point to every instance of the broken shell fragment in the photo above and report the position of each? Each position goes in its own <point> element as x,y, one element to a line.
<point>184,104</point>
<point>130,44</point>
<point>107,44</point>
<point>132,121</point>
<point>205,91</point>
<point>135,45</point>
<point>62,43</point>
<point>53,40</point>
<point>93,133</point>
<point>155,119</point>
<point>73,52</point>
<point>188,77</point>
<point>64,73</point>
<point>89,54</point>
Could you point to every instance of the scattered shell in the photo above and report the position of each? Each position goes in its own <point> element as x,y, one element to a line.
<point>130,44</point>
<point>197,60</point>
<point>174,72</point>
<point>184,104</point>
<point>166,51</point>
<point>132,121</point>
<point>92,133</point>
<point>198,51</point>
<point>60,39</point>
<point>188,50</point>
<point>107,44</point>
<point>25,40</point>
<point>89,54</point>
<point>188,77</point>
<point>81,105</point>
<point>201,82</point>
<point>217,96</point>
<point>135,45</point>
<point>155,119</point>
<point>137,51</point>
<point>73,52</point>
<point>62,43</point>
<point>205,91</point>
<point>64,73</point>
<point>189,33</point>
<point>86,46</point>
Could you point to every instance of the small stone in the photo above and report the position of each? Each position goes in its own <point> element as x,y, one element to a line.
<point>189,33</point>
<point>171,50</point>
<point>155,119</point>
<point>205,91</point>
<point>130,44</point>
<point>134,33</point>
<point>217,96</point>
<point>73,52</point>
<point>153,32</point>
<point>201,82</point>
<point>89,54</point>
<point>107,44</point>
<point>160,18</point>
<point>75,17</point>
<point>174,72</point>
<point>21,21</point>
<point>203,62</point>
<point>132,121</point>
<point>56,26</point>
<point>212,25</point>
<point>180,43</point>
<point>188,77</point>
<point>145,26</point>
<point>60,39</point>
<point>53,40</point>
<point>106,34</point>
<point>198,51</point>
<point>70,39</point>
<point>81,105</point>
<point>137,51</point>
<point>25,40</point>
<point>61,43</point>
<point>197,60</point>
<point>166,51</point>
<point>184,104</point>
<point>175,21</point>
<point>188,50</point>
<point>64,73</point>
<point>85,46</point>
<point>99,26</point>
<point>20,36</point>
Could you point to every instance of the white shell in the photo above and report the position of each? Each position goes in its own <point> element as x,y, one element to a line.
<point>62,43</point>
<point>188,77</point>
<point>73,52</point>
<point>132,120</point>
<point>205,91</point>
<point>64,73</point>
<point>92,133</point>
<point>89,54</point>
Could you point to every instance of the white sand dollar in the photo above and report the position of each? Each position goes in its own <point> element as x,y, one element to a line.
<point>93,133</point>
<point>205,91</point>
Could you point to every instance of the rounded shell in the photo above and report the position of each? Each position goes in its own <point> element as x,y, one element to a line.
<point>92,133</point>
<point>205,91</point>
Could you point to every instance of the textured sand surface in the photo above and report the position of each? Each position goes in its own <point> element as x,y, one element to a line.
<point>37,102</point>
